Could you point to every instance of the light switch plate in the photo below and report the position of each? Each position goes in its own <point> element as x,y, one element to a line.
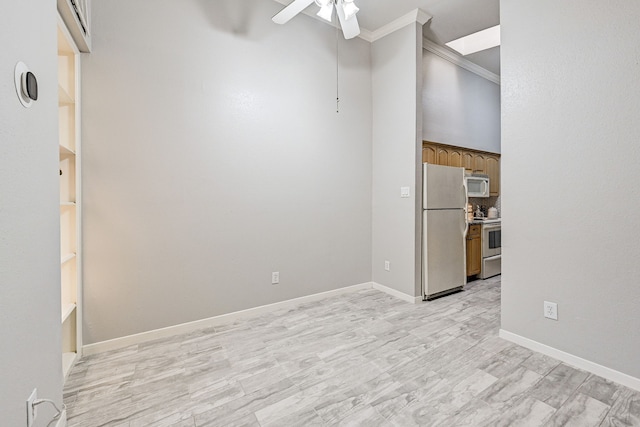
<point>405,192</point>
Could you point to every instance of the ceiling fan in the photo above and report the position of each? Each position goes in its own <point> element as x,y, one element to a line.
<point>346,10</point>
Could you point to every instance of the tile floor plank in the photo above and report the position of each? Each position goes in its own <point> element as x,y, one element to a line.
<point>358,359</point>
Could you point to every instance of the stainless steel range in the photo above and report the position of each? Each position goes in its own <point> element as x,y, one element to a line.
<point>491,249</point>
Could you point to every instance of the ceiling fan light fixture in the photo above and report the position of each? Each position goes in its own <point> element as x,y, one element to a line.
<point>350,9</point>
<point>326,12</point>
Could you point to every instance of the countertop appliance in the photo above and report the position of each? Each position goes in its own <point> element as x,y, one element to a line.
<point>477,185</point>
<point>444,226</point>
<point>491,249</point>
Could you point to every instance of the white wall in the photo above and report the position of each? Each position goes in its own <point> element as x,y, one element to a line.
<point>29,216</point>
<point>213,155</point>
<point>570,155</point>
<point>397,146</point>
<point>459,107</point>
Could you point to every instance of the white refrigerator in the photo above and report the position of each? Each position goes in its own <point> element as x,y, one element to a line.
<point>444,228</point>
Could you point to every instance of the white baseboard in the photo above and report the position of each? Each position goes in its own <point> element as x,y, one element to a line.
<point>397,294</point>
<point>578,362</point>
<point>169,331</point>
<point>183,328</point>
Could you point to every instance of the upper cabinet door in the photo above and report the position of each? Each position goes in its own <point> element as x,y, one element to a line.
<point>479,163</point>
<point>467,161</point>
<point>455,158</point>
<point>493,170</point>
<point>428,154</point>
<point>443,156</point>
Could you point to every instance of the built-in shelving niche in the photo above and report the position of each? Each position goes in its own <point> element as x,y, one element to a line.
<point>70,215</point>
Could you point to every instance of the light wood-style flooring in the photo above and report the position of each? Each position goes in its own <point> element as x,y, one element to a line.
<point>359,359</point>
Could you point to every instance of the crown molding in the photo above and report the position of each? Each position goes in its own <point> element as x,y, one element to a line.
<point>460,61</point>
<point>416,15</point>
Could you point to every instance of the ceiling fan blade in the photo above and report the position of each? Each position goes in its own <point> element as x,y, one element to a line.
<point>350,27</point>
<point>290,11</point>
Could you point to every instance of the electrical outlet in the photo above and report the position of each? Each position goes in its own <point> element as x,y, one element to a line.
<point>275,277</point>
<point>551,310</point>
<point>387,266</point>
<point>32,410</point>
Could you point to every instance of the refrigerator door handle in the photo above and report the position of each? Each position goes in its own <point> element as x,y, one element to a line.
<point>465,195</point>
<point>465,224</point>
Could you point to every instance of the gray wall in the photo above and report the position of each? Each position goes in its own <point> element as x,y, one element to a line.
<point>212,156</point>
<point>29,216</point>
<point>396,67</point>
<point>570,155</point>
<point>459,107</point>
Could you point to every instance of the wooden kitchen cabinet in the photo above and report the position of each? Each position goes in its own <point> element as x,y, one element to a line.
<point>443,156</point>
<point>479,163</point>
<point>467,161</point>
<point>493,170</point>
<point>474,250</point>
<point>429,154</point>
<point>471,160</point>
<point>455,158</point>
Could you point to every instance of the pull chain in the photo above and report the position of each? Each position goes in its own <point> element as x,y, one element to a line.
<point>337,69</point>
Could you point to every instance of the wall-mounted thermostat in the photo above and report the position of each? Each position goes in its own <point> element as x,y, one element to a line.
<point>26,85</point>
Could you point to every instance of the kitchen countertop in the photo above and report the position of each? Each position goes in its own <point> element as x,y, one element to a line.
<point>485,221</point>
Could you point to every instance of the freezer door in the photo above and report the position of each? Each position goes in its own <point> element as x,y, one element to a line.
<point>443,250</point>
<point>443,187</point>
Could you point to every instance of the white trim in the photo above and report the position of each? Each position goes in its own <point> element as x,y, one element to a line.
<point>62,421</point>
<point>460,61</point>
<point>578,362</point>
<point>79,198</point>
<point>416,15</point>
<point>397,294</point>
<point>169,331</point>
<point>365,34</point>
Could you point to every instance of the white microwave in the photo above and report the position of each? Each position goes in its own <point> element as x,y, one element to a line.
<point>477,185</point>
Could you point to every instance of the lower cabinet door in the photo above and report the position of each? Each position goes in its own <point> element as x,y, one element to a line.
<point>474,251</point>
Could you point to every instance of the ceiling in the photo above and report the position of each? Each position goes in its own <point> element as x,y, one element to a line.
<point>451,19</point>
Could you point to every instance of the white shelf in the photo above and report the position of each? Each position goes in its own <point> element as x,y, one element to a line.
<point>67,258</point>
<point>67,310</point>
<point>63,97</point>
<point>68,360</point>
<point>66,151</point>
